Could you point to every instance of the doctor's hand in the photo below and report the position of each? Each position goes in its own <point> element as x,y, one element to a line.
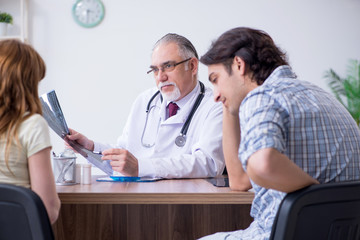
<point>80,139</point>
<point>122,161</point>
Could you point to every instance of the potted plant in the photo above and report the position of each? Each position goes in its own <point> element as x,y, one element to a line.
<point>5,19</point>
<point>347,90</point>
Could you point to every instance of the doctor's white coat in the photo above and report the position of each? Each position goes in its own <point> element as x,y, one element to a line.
<point>202,155</point>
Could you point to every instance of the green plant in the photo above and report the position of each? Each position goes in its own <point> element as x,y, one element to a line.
<point>347,90</point>
<point>6,18</point>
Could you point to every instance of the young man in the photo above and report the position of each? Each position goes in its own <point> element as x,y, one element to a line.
<point>156,143</point>
<point>293,134</point>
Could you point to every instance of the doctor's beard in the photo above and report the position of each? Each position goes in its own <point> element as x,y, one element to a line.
<point>170,96</point>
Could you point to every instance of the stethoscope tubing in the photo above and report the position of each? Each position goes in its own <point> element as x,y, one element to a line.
<point>193,110</point>
<point>181,139</point>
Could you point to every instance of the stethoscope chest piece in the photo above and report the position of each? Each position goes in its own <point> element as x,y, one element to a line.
<point>180,140</point>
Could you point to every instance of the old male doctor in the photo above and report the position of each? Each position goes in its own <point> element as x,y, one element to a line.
<point>161,139</point>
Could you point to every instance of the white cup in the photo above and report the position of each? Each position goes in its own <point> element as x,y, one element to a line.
<point>78,173</point>
<point>86,174</point>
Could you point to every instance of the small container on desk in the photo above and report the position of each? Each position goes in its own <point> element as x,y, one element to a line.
<point>64,168</point>
<point>86,174</point>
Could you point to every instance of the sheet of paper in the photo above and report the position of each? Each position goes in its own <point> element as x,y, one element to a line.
<point>54,116</point>
<point>127,179</point>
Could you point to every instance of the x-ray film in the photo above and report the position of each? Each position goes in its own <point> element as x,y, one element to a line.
<point>54,116</point>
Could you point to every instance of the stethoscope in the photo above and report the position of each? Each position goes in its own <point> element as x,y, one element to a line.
<point>181,139</point>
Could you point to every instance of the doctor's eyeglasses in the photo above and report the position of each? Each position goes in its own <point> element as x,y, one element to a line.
<point>166,67</point>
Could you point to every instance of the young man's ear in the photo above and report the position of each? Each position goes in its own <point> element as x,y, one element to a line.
<point>239,65</point>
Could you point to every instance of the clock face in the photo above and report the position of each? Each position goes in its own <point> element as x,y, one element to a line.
<point>88,13</point>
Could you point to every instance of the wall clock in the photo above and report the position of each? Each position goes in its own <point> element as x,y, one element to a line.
<point>88,13</point>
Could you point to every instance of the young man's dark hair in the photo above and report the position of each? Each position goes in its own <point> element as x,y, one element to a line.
<point>255,47</point>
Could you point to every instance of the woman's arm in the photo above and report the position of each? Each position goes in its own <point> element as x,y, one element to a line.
<point>43,182</point>
<point>238,179</point>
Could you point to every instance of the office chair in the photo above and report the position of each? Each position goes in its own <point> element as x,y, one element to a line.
<point>328,211</point>
<point>23,215</point>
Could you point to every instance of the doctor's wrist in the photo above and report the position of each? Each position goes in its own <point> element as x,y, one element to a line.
<point>90,145</point>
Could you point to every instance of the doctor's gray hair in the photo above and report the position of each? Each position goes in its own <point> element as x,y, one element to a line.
<point>186,48</point>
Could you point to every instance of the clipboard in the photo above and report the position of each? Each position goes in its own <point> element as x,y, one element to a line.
<point>127,179</point>
<point>55,118</point>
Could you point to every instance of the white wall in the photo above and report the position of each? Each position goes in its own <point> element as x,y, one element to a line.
<point>98,72</point>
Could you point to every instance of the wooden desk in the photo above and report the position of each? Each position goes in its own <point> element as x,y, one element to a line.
<point>167,209</point>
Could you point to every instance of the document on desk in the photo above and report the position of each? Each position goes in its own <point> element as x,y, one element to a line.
<point>127,179</point>
<point>55,118</point>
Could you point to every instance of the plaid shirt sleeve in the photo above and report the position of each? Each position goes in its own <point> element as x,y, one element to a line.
<point>265,123</point>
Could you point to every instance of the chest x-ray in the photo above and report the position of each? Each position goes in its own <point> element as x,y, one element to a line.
<point>55,118</point>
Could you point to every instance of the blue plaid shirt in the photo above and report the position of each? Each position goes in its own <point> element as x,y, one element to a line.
<point>306,124</point>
